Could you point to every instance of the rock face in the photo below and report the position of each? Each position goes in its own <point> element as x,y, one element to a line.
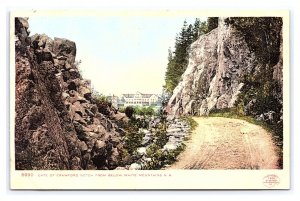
<point>218,62</point>
<point>57,124</point>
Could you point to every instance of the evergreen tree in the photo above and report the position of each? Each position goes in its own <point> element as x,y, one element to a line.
<point>178,60</point>
<point>212,23</point>
<point>196,29</point>
<point>199,29</point>
<point>190,34</point>
<point>203,29</point>
<point>170,73</point>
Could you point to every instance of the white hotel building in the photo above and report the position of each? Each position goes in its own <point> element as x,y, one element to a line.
<point>139,99</point>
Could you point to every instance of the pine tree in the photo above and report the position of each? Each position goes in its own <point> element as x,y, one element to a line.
<point>212,23</point>
<point>196,29</point>
<point>190,35</point>
<point>199,29</point>
<point>178,61</point>
<point>170,75</point>
<point>203,29</point>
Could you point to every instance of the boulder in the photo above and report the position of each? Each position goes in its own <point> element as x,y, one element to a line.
<point>66,48</point>
<point>135,166</point>
<point>120,168</point>
<point>94,109</point>
<point>142,150</point>
<point>174,130</point>
<point>84,91</point>
<point>115,139</point>
<point>83,146</point>
<point>146,140</point>
<point>113,159</point>
<point>170,146</point>
<point>100,145</point>
<point>77,108</point>
<point>75,97</point>
<point>43,43</point>
<point>120,116</point>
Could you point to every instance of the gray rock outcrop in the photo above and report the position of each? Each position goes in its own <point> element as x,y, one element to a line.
<point>57,123</point>
<point>218,62</point>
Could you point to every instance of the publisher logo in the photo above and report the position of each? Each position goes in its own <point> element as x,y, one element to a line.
<point>271,180</point>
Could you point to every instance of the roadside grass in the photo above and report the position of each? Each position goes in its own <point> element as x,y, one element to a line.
<point>188,119</point>
<point>275,129</point>
<point>232,113</point>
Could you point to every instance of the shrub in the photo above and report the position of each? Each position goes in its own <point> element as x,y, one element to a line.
<point>129,111</point>
<point>160,158</point>
<point>171,155</point>
<point>190,121</point>
<point>149,111</point>
<point>125,157</point>
<point>122,109</point>
<point>157,157</point>
<point>234,113</point>
<point>102,102</point>
<point>133,138</point>
<point>161,134</point>
<point>144,111</point>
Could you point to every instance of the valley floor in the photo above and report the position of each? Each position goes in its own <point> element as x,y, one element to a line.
<point>223,143</point>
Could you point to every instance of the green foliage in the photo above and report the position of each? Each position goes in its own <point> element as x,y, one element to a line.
<point>171,155</point>
<point>199,29</point>
<point>133,138</point>
<point>160,134</point>
<point>122,109</point>
<point>171,76</point>
<point>102,102</point>
<point>138,110</point>
<point>160,158</point>
<point>262,35</point>
<point>212,23</point>
<point>178,60</point>
<point>157,157</point>
<point>149,111</point>
<point>129,111</point>
<point>275,129</point>
<point>263,90</point>
<point>190,121</point>
<point>235,114</point>
<point>102,98</point>
<point>125,157</point>
<point>261,93</point>
<point>144,111</point>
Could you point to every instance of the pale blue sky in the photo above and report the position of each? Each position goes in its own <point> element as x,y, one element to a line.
<point>119,54</point>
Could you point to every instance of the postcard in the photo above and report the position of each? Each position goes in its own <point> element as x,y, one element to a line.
<point>139,99</point>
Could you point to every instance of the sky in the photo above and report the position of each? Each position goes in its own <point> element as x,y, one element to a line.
<point>119,54</point>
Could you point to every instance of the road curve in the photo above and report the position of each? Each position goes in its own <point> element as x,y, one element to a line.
<point>223,143</point>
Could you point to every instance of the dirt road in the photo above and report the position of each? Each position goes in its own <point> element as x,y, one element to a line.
<point>223,143</point>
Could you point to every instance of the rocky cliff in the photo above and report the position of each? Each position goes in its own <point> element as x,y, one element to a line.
<point>57,123</point>
<point>238,64</point>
